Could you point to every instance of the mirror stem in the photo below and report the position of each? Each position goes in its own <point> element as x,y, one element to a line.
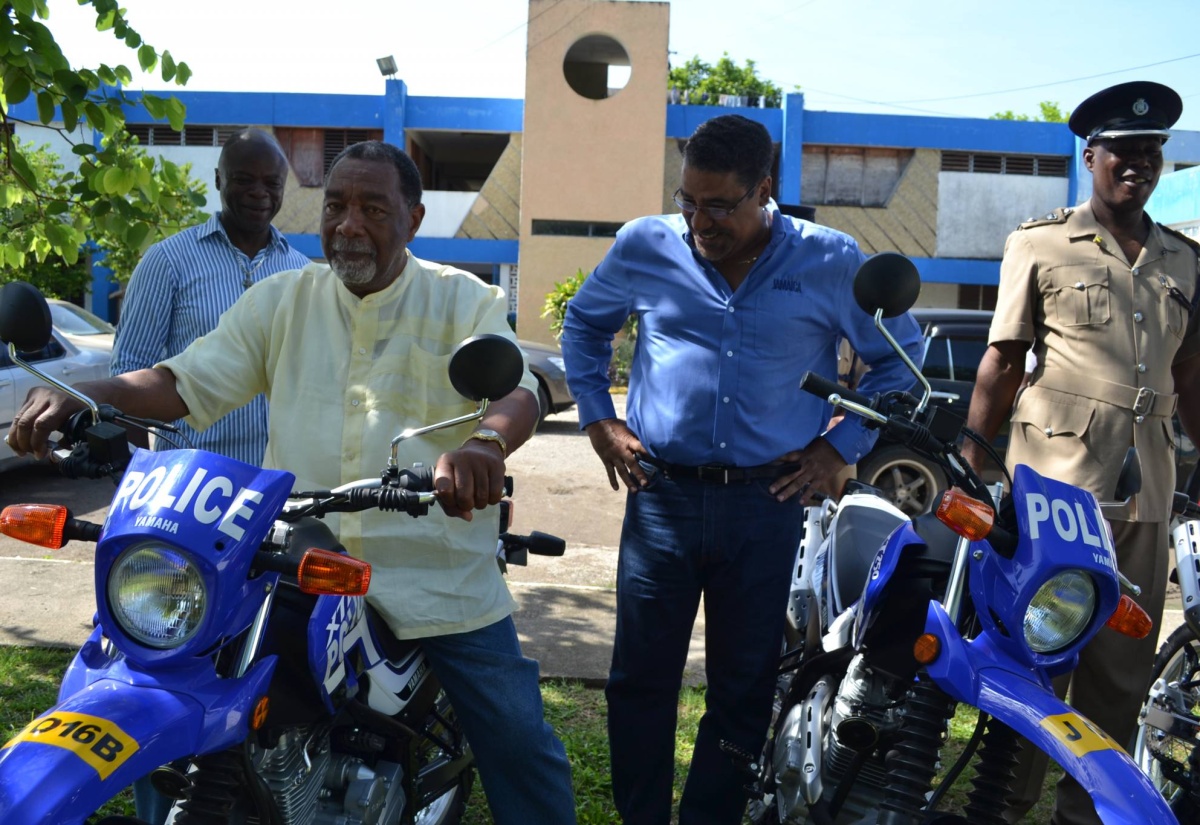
<point>83,399</point>
<point>925,396</point>
<point>412,432</point>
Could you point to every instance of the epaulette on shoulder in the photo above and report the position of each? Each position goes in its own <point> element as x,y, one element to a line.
<point>1187,239</point>
<point>1059,215</point>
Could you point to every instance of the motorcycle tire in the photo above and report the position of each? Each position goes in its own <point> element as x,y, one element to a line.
<point>1178,661</point>
<point>449,807</point>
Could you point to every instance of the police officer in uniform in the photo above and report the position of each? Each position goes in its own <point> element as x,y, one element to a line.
<point>1106,299</point>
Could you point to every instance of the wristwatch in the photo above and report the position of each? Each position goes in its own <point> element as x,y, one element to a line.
<point>484,434</point>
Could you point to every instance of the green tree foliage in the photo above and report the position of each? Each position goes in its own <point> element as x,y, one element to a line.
<point>1050,113</point>
<point>555,308</point>
<point>119,197</point>
<point>702,83</point>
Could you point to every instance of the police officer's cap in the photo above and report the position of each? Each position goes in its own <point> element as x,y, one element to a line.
<point>1138,109</point>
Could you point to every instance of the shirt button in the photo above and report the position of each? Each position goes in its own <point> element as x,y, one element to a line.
<point>731,309</point>
<point>1137,316</point>
<point>1141,367</point>
<point>354,403</point>
<point>1079,284</point>
<point>362,350</point>
<point>722,445</point>
<point>729,354</point>
<point>1139,419</point>
<point>1049,431</point>
<point>1136,271</point>
<point>726,399</point>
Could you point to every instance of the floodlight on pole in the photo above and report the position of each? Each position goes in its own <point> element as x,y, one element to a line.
<point>387,65</point>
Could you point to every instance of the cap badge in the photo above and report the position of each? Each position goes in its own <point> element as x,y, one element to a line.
<point>1140,107</point>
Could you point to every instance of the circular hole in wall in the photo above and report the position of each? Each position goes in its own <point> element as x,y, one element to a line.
<point>597,67</point>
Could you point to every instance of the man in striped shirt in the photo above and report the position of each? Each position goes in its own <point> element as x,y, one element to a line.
<point>184,283</point>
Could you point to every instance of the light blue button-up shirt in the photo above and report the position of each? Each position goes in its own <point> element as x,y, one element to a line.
<point>716,373</point>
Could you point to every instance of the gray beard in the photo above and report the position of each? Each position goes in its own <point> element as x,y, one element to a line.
<point>353,274</point>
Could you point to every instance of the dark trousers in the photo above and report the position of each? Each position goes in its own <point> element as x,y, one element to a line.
<point>735,545</point>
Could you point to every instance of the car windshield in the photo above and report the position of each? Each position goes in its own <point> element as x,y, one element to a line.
<point>75,320</point>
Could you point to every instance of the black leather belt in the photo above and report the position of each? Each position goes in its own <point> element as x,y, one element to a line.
<point>721,474</point>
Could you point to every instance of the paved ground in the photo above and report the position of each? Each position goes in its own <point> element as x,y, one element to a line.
<point>567,604</point>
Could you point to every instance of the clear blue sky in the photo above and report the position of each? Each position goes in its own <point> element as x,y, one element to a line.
<point>936,57</point>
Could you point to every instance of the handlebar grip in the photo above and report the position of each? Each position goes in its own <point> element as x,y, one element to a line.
<point>821,386</point>
<point>544,544</point>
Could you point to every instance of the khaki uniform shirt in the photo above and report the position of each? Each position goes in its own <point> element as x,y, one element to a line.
<point>344,375</point>
<point>1106,334</point>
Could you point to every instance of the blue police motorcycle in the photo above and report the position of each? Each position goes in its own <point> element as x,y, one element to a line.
<point>234,657</point>
<point>894,620</point>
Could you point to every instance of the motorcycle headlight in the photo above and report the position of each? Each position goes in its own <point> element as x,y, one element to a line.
<point>157,595</point>
<point>1060,610</point>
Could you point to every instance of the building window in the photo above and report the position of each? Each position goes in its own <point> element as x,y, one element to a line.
<point>577,229</point>
<point>1044,166</point>
<point>977,296</point>
<point>159,134</point>
<point>851,175</point>
<point>311,151</point>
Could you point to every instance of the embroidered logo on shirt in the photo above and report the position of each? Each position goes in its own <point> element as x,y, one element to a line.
<point>786,284</point>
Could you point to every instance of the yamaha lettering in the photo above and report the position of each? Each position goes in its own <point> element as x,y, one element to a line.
<point>344,628</point>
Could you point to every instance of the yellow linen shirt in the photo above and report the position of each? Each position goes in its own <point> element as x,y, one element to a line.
<point>344,375</point>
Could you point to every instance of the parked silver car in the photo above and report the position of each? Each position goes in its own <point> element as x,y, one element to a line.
<point>81,327</point>
<point>546,364</point>
<point>60,359</point>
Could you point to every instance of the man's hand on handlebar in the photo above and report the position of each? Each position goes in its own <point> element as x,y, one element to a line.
<point>469,478</point>
<point>45,410</point>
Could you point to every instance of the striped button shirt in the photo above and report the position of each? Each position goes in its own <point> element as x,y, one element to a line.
<point>177,294</point>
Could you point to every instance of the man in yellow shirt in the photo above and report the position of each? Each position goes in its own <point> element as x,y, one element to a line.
<point>349,354</point>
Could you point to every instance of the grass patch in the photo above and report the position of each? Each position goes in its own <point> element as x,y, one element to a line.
<point>29,680</point>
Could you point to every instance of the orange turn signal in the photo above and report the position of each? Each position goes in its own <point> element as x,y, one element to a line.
<point>927,648</point>
<point>325,573</point>
<point>259,717</point>
<point>969,517</point>
<point>40,524</point>
<point>1130,620</point>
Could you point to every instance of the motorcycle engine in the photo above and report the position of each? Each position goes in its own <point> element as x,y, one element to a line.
<point>845,722</point>
<point>310,784</point>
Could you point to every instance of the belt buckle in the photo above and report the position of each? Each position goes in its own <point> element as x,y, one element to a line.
<point>1144,401</point>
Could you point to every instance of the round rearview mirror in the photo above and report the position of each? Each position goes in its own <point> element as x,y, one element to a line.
<point>486,366</point>
<point>887,281</point>
<point>24,317</point>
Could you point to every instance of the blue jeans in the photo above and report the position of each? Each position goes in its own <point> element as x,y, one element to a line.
<point>494,689</point>
<point>735,545</point>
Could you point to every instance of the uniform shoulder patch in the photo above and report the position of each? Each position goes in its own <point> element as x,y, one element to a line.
<point>1187,239</point>
<point>1059,215</point>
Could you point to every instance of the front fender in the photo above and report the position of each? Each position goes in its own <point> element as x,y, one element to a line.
<point>982,675</point>
<point>75,757</point>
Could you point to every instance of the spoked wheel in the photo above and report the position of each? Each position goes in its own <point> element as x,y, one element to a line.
<point>448,807</point>
<point>1166,737</point>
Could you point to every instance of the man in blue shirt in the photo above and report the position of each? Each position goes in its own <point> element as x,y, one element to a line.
<point>735,301</point>
<point>183,284</point>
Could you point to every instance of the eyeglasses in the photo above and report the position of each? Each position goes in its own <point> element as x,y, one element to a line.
<point>717,213</point>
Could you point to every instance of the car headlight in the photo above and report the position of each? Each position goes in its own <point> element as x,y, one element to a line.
<point>157,595</point>
<point>1061,609</point>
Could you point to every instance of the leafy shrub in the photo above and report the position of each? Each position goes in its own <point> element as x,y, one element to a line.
<point>555,308</point>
